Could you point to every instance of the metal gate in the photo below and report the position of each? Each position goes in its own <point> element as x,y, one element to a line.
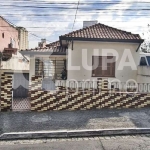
<point>20,100</point>
<point>20,85</point>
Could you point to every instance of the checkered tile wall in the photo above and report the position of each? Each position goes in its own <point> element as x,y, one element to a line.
<point>66,99</point>
<point>6,91</point>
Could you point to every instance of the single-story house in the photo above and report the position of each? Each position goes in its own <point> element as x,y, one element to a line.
<point>72,57</point>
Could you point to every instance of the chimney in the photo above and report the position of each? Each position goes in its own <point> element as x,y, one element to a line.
<point>89,23</point>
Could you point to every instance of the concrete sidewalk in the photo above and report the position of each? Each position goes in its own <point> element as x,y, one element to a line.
<point>95,120</point>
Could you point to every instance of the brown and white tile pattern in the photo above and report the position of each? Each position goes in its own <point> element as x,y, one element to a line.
<point>69,99</point>
<point>6,92</point>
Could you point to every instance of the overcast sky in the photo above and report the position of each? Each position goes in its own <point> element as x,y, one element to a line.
<point>44,19</point>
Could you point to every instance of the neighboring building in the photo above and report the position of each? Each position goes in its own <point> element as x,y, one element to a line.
<point>23,38</point>
<point>11,40</point>
<point>42,43</point>
<point>8,37</point>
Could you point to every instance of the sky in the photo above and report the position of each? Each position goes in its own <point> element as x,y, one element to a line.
<point>49,19</point>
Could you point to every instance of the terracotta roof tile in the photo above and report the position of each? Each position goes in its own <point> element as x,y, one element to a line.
<point>103,31</point>
<point>52,47</point>
<point>98,31</point>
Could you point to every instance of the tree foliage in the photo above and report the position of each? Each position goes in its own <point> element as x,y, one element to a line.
<point>145,47</point>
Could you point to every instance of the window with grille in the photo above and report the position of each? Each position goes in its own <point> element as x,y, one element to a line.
<point>102,68</point>
<point>52,68</point>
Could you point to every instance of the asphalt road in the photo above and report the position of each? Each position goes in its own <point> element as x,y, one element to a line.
<point>97,143</point>
<point>74,120</point>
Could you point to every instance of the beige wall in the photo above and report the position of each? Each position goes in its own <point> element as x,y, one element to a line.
<point>84,74</point>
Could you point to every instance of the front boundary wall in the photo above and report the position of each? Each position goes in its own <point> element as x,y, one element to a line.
<point>67,99</point>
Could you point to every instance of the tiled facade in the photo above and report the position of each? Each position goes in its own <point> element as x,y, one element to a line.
<point>6,92</point>
<point>63,99</point>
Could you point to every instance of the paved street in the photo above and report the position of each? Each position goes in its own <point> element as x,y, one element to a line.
<point>139,142</point>
<point>74,120</point>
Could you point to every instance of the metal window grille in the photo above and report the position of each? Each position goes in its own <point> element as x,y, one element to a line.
<point>52,68</point>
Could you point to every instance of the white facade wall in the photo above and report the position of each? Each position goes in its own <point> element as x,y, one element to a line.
<point>75,57</point>
<point>16,63</point>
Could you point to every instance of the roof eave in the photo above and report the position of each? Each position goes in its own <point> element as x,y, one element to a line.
<point>102,39</point>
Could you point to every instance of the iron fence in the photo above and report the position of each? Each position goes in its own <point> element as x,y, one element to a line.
<point>116,86</point>
<point>77,84</point>
<point>129,87</point>
<point>93,85</point>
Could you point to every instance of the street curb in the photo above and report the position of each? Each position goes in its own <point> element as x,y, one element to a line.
<point>72,133</point>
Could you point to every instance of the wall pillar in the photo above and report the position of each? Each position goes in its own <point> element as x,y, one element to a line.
<point>99,84</point>
<point>102,85</point>
<point>6,92</point>
<point>36,93</point>
<point>32,69</point>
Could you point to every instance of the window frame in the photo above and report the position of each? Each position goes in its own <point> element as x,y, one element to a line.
<point>46,68</point>
<point>109,76</point>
